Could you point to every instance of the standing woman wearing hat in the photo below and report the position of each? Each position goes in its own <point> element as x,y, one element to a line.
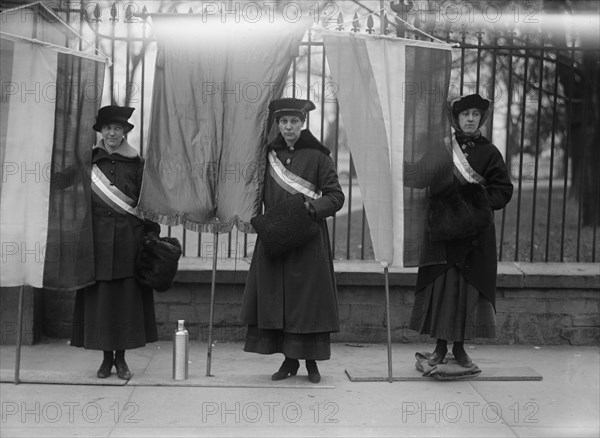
<point>290,301</point>
<point>116,313</point>
<point>455,293</point>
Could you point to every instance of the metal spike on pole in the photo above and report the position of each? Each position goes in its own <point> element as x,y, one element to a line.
<point>389,330</point>
<point>212,303</point>
<point>19,334</point>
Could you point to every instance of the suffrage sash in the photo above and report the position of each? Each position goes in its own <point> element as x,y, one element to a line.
<point>290,181</point>
<point>111,195</point>
<point>462,169</point>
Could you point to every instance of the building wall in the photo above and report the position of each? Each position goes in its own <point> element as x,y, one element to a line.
<point>538,304</point>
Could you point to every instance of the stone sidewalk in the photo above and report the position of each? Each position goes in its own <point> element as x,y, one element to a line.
<point>59,395</point>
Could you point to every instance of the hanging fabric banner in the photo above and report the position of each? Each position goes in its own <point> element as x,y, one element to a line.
<point>46,140</point>
<point>206,160</point>
<point>392,95</point>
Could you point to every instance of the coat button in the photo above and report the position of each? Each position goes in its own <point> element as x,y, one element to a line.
<point>109,213</point>
<point>112,172</point>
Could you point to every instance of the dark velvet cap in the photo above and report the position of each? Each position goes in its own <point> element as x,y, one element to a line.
<point>113,114</point>
<point>471,101</point>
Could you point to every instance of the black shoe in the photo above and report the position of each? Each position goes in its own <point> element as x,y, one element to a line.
<point>313,371</point>
<point>104,370</point>
<point>289,367</point>
<point>461,357</point>
<point>437,357</point>
<point>122,369</point>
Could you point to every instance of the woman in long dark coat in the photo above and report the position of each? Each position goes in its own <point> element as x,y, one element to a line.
<point>117,312</point>
<point>455,298</point>
<point>290,303</point>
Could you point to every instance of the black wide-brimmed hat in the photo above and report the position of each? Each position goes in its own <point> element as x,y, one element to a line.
<point>289,106</point>
<point>470,101</point>
<point>113,114</point>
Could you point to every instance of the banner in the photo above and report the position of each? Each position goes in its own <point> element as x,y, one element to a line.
<point>392,97</point>
<point>48,106</point>
<point>205,160</point>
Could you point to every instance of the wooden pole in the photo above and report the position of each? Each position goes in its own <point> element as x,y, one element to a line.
<point>212,303</point>
<point>19,334</point>
<point>389,329</point>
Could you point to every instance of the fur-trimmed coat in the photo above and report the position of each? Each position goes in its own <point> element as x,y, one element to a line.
<point>476,256</point>
<point>297,292</point>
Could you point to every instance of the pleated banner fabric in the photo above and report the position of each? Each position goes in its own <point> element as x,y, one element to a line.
<point>206,155</point>
<point>49,102</point>
<point>391,95</point>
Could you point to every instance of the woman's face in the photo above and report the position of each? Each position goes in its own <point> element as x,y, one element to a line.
<point>468,120</point>
<point>290,127</point>
<point>113,134</point>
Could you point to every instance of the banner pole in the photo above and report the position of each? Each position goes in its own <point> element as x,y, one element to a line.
<point>212,303</point>
<point>381,15</point>
<point>389,330</point>
<point>19,334</point>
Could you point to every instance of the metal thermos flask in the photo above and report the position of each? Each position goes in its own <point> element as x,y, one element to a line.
<point>180,352</point>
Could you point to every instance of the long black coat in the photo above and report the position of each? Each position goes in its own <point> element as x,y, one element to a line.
<point>117,236</point>
<point>117,312</point>
<point>297,293</point>
<point>476,256</point>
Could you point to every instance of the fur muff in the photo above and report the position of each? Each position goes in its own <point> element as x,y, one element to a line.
<point>285,226</point>
<point>462,212</point>
<point>157,261</point>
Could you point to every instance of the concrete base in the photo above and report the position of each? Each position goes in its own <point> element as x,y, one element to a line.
<point>57,377</point>
<point>233,381</point>
<point>493,374</point>
<point>536,303</point>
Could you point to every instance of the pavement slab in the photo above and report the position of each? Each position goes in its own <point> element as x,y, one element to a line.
<point>240,400</point>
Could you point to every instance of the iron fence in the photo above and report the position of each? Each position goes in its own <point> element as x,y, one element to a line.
<point>529,79</point>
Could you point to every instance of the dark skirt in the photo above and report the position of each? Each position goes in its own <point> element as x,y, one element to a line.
<point>311,346</point>
<point>452,309</point>
<point>114,315</point>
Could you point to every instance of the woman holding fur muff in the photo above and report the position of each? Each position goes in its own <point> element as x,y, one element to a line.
<point>116,313</point>
<point>466,179</point>
<point>290,300</point>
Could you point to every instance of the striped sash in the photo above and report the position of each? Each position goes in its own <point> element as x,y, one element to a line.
<point>462,169</point>
<point>288,180</point>
<point>111,195</point>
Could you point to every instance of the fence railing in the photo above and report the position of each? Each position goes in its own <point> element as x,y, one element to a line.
<point>524,75</point>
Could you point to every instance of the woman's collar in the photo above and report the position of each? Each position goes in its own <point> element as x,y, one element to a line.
<point>124,149</point>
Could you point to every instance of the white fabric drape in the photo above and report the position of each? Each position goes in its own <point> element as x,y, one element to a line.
<point>379,93</point>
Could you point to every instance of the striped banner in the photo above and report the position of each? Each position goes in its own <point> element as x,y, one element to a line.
<point>392,95</point>
<point>205,163</point>
<point>49,102</point>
